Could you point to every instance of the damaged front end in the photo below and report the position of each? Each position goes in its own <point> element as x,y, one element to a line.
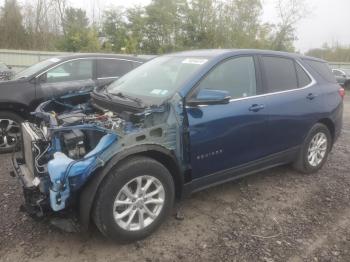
<point>67,144</point>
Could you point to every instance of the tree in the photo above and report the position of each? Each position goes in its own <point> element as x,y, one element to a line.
<point>12,34</point>
<point>334,53</point>
<point>114,29</point>
<point>78,35</point>
<point>241,23</point>
<point>41,24</point>
<point>200,24</point>
<point>135,17</point>
<point>290,12</point>
<point>162,26</point>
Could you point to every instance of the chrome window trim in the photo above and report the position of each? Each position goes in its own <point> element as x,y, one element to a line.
<point>110,77</point>
<point>86,58</point>
<point>312,83</point>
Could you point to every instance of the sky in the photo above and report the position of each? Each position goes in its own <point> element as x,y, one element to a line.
<point>327,21</point>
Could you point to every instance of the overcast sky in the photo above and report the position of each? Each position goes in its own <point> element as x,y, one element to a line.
<point>328,21</point>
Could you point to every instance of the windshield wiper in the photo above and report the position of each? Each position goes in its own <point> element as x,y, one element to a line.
<point>121,95</point>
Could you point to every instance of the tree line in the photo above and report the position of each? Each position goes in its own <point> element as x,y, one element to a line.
<point>332,53</point>
<point>162,26</point>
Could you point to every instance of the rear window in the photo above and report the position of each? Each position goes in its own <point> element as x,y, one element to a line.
<point>280,74</point>
<point>322,69</point>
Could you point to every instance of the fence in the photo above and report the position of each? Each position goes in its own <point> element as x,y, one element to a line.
<point>335,65</point>
<point>20,59</point>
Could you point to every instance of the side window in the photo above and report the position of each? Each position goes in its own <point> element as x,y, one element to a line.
<point>112,68</point>
<point>303,78</point>
<point>236,76</point>
<point>323,69</point>
<point>71,71</point>
<point>280,74</point>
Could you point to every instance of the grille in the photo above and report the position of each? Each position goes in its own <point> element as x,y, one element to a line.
<point>29,138</point>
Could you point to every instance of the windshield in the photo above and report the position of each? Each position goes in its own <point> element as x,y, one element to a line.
<point>157,79</point>
<point>36,68</point>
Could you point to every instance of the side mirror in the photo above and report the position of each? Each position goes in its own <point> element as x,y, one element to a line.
<point>210,97</point>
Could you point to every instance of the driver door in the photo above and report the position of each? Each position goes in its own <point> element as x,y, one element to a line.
<point>224,136</point>
<point>75,76</point>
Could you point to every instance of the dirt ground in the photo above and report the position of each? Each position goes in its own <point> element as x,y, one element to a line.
<point>277,215</point>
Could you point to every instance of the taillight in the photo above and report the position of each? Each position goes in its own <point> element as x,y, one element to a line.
<point>341,92</point>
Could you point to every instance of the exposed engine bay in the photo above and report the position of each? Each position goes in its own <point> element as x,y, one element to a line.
<point>66,144</point>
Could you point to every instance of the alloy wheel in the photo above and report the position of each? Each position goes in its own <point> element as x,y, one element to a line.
<point>10,133</point>
<point>317,149</point>
<point>139,203</point>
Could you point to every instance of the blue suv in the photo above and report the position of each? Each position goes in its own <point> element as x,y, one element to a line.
<point>175,125</point>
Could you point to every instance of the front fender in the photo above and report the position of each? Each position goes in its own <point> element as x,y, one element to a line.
<point>88,193</point>
<point>18,108</point>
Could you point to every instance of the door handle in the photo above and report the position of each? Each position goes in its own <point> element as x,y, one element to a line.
<point>311,96</point>
<point>256,107</point>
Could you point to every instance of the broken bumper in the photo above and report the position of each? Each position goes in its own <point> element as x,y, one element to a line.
<point>35,201</point>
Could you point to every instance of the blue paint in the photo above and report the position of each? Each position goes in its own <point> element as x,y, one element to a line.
<point>212,138</point>
<point>63,169</point>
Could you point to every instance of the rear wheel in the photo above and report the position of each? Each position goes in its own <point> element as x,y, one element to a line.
<point>315,149</point>
<point>10,131</point>
<point>133,201</point>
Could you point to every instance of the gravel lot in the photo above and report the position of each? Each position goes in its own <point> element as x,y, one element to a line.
<point>277,215</point>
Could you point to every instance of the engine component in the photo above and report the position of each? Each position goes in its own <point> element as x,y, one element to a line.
<point>70,119</point>
<point>34,147</point>
<point>74,143</point>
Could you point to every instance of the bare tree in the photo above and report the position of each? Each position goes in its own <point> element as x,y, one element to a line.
<point>61,7</point>
<point>290,12</point>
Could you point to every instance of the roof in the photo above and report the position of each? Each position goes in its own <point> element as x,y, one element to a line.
<point>219,52</point>
<point>94,55</point>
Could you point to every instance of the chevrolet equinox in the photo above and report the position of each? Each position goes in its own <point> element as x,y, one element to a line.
<point>175,125</point>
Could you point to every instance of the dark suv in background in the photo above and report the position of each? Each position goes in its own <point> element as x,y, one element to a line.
<point>175,125</point>
<point>343,77</point>
<point>52,78</point>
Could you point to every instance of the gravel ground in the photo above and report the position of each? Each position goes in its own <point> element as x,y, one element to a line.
<point>277,215</point>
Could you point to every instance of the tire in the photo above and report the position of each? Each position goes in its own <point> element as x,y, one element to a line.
<point>305,163</point>
<point>9,138</point>
<point>112,188</point>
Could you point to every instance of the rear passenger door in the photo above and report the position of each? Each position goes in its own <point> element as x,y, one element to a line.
<point>110,69</point>
<point>292,99</point>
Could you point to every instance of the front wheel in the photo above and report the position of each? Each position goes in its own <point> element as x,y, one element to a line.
<point>315,149</point>
<point>10,131</point>
<point>134,199</point>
